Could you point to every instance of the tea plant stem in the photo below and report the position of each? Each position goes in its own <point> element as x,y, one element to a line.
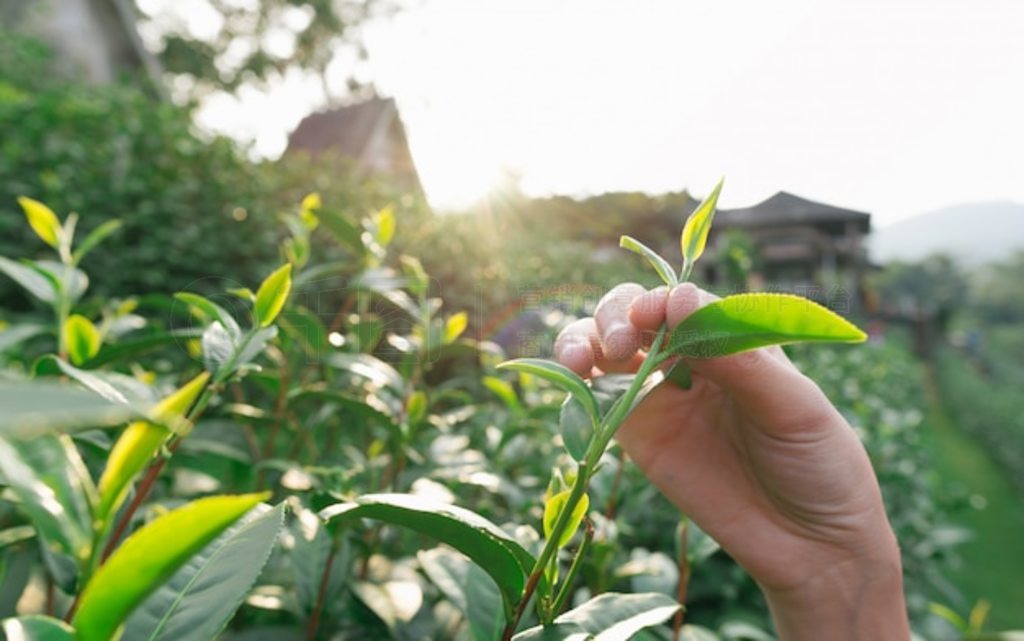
<point>598,444</point>
<point>321,594</point>
<point>684,578</point>
<point>577,561</point>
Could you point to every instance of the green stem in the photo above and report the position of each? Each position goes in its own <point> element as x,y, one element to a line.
<point>609,425</point>
<point>577,562</point>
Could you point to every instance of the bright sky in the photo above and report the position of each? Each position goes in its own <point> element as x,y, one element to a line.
<point>890,107</point>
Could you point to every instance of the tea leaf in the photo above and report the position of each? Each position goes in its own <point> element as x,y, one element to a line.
<point>28,410</point>
<point>272,294</point>
<point>212,312</point>
<point>608,617</point>
<point>81,338</point>
<point>695,231</point>
<point>486,544</point>
<point>35,283</point>
<point>149,557</point>
<point>416,407</point>
<point>553,509</point>
<point>659,264</point>
<point>51,481</point>
<point>576,427</point>
<point>749,321</point>
<point>559,375</point>
<point>468,588</point>
<point>454,327</point>
<point>182,608</point>
<point>113,386</point>
<point>141,441</point>
<point>385,226</point>
<point>37,627</point>
<point>43,221</point>
<point>94,238</point>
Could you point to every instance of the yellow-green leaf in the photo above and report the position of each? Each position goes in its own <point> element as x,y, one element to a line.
<point>171,410</point>
<point>272,294</point>
<point>553,509</point>
<point>385,226</point>
<point>149,557</point>
<point>749,321</point>
<point>43,221</point>
<point>81,338</point>
<point>141,441</point>
<point>455,326</point>
<point>695,232</point>
<point>416,407</point>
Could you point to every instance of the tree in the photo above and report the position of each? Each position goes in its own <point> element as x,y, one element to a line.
<point>233,43</point>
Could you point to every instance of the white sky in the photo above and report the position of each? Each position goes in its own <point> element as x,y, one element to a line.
<point>894,107</point>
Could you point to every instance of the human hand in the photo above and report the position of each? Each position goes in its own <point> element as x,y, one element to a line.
<point>758,457</point>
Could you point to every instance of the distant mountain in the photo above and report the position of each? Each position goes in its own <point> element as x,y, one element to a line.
<point>973,233</point>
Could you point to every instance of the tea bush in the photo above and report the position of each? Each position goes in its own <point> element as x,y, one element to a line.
<point>361,420</point>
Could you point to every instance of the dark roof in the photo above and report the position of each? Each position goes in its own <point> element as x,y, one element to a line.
<point>346,129</point>
<point>785,208</point>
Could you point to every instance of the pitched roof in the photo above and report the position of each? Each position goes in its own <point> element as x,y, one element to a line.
<point>785,208</point>
<point>346,129</point>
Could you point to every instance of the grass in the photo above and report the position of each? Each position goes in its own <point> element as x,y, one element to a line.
<point>993,567</point>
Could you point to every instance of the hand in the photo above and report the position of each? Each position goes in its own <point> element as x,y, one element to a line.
<point>758,457</point>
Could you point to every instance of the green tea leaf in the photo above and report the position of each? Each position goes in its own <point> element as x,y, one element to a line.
<point>113,386</point>
<point>659,264</point>
<point>65,278</point>
<point>468,588</point>
<point>503,390</point>
<point>28,410</point>
<point>149,557</point>
<point>51,481</point>
<point>43,221</point>
<point>454,327</point>
<point>131,348</point>
<point>14,335</point>
<point>211,311</point>
<point>695,231</point>
<point>559,375</point>
<point>749,321</point>
<point>272,294</point>
<point>416,407</point>
<point>181,609</point>
<point>37,627</point>
<point>576,427</point>
<point>81,338</point>
<point>33,282</point>
<point>136,447</point>
<point>553,508</point>
<point>141,441</point>
<point>608,617</point>
<point>94,238</point>
<point>486,544</point>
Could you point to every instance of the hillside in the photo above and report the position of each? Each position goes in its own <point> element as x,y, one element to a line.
<point>974,233</point>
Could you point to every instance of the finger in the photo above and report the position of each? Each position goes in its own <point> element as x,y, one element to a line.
<point>762,381</point>
<point>647,312</point>
<point>575,344</point>
<point>620,339</point>
<point>625,366</point>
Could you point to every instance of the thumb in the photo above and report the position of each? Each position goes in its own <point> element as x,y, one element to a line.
<point>762,382</point>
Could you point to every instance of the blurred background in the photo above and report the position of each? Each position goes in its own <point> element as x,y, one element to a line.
<point>873,155</point>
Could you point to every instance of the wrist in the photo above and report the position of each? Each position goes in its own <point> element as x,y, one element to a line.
<point>850,600</point>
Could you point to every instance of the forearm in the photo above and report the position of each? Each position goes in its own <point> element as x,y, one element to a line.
<point>851,601</point>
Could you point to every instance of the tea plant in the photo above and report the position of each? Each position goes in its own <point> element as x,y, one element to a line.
<point>383,395</point>
<point>79,521</point>
<point>588,425</point>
